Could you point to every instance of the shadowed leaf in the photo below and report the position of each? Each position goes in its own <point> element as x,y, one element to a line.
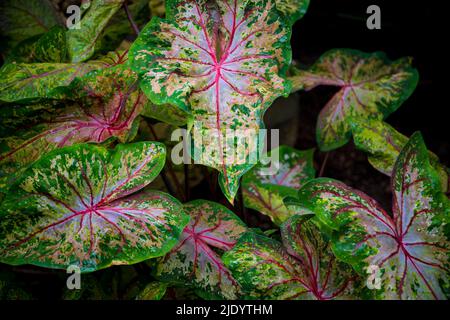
<point>264,191</point>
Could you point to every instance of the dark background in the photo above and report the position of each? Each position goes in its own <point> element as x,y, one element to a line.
<point>408,28</point>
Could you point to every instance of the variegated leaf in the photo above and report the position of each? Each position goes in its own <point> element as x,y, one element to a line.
<point>167,114</point>
<point>305,269</point>
<point>194,261</point>
<point>264,191</point>
<point>223,61</point>
<point>411,250</point>
<point>49,47</point>
<point>82,39</point>
<point>383,144</point>
<point>23,82</point>
<point>76,206</point>
<point>293,9</point>
<point>372,87</point>
<point>108,106</point>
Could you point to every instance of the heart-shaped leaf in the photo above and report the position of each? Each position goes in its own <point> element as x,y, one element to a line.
<point>108,108</point>
<point>75,207</point>
<point>411,250</point>
<point>193,261</point>
<point>82,41</point>
<point>23,82</point>
<point>223,61</point>
<point>293,9</point>
<point>264,190</point>
<point>383,144</point>
<point>305,268</point>
<point>372,87</point>
<point>22,19</point>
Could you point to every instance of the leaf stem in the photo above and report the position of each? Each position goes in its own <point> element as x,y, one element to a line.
<point>130,19</point>
<point>324,164</point>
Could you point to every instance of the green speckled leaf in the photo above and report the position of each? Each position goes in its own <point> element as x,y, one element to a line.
<point>293,9</point>
<point>194,260</point>
<point>304,269</point>
<point>167,114</point>
<point>265,193</point>
<point>49,47</point>
<point>108,105</point>
<point>383,144</point>
<point>372,87</point>
<point>22,19</point>
<point>23,82</point>
<point>78,206</point>
<point>412,248</point>
<point>153,291</point>
<point>82,42</point>
<point>223,61</point>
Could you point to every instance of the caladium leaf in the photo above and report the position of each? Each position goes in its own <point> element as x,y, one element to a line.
<point>223,62</point>
<point>49,47</point>
<point>76,206</point>
<point>153,291</point>
<point>411,250</point>
<point>304,269</point>
<point>383,144</point>
<point>372,87</point>
<point>22,19</point>
<point>293,9</point>
<point>167,113</point>
<point>23,82</point>
<point>264,191</point>
<point>108,108</point>
<point>193,261</point>
<point>82,41</point>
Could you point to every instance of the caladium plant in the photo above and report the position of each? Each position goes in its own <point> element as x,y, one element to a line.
<point>265,191</point>
<point>82,184</point>
<point>107,108</point>
<point>76,206</point>
<point>371,85</point>
<point>411,248</point>
<point>224,62</point>
<point>303,267</point>
<point>383,144</point>
<point>193,260</point>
